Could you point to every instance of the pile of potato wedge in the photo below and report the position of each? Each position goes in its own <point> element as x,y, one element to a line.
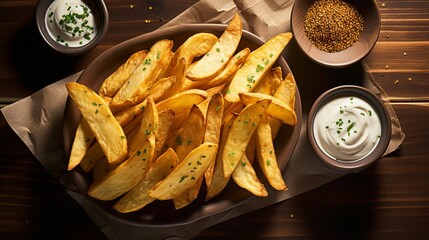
<point>166,123</point>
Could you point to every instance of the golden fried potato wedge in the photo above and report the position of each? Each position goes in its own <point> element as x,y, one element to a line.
<point>230,69</point>
<point>266,155</point>
<point>179,74</point>
<point>165,120</point>
<point>212,91</point>
<point>100,119</point>
<point>127,115</point>
<point>286,92</point>
<point>92,156</point>
<point>212,63</point>
<point>256,66</point>
<point>195,46</point>
<point>160,88</point>
<point>138,198</point>
<point>148,127</point>
<point>126,176</point>
<point>240,133</point>
<point>216,181</point>
<point>245,177</point>
<point>191,134</point>
<point>81,143</point>
<point>277,109</point>
<point>114,82</point>
<point>214,118</point>
<point>101,168</point>
<point>145,75</point>
<point>186,174</point>
<point>182,101</point>
<point>276,78</point>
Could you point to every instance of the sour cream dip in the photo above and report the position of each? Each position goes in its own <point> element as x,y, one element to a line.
<point>71,23</point>
<point>347,128</point>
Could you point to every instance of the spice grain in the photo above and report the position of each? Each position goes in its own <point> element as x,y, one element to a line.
<point>333,25</point>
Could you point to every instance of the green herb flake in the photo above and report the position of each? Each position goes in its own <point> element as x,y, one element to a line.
<point>259,68</point>
<point>183,178</point>
<point>147,61</point>
<point>268,162</point>
<point>94,104</point>
<point>158,54</point>
<point>123,137</point>
<point>218,108</point>
<point>178,140</point>
<point>370,113</point>
<point>228,91</point>
<point>217,49</point>
<point>243,164</point>
<point>139,153</point>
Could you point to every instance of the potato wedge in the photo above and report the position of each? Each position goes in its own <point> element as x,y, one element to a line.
<point>216,181</point>
<point>266,155</point>
<point>241,132</point>
<point>190,170</point>
<point>179,74</point>
<point>114,82</point>
<point>165,120</point>
<point>148,127</point>
<point>286,92</point>
<point>101,168</point>
<point>245,177</point>
<point>145,75</point>
<point>230,69</point>
<point>92,156</point>
<point>212,63</point>
<point>160,88</point>
<point>276,78</point>
<point>191,134</point>
<point>277,109</point>
<point>195,46</point>
<point>126,176</point>
<point>100,119</point>
<point>81,143</point>
<point>182,101</point>
<point>138,198</point>
<point>214,118</point>
<point>128,114</point>
<point>256,66</point>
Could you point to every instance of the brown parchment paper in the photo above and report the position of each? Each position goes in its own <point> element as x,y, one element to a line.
<point>40,117</point>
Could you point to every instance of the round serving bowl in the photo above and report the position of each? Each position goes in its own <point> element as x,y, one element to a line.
<point>348,92</point>
<point>356,52</point>
<point>101,15</point>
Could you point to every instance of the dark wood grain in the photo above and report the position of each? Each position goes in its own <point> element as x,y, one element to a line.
<point>389,200</point>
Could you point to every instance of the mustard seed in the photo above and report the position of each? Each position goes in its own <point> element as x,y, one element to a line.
<point>333,25</point>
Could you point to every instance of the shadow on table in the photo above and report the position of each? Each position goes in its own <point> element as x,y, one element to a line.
<point>36,61</point>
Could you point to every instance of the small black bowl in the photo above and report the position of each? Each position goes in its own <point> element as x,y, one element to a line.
<point>367,39</point>
<point>376,103</point>
<point>101,14</point>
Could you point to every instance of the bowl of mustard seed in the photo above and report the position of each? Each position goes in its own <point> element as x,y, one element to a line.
<point>335,33</point>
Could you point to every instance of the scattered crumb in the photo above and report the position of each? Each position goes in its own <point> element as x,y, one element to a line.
<point>387,36</point>
<point>405,54</point>
<point>131,6</point>
<point>396,82</point>
<point>410,79</point>
<point>150,8</point>
<point>387,66</point>
<point>147,21</point>
<point>383,4</point>
<point>291,215</point>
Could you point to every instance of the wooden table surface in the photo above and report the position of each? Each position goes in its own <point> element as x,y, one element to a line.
<point>389,200</point>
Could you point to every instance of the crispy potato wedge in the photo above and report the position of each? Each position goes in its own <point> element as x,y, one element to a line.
<point>101,168</point>
<point>241,132</point>
<point>83,139</point>
<point>195,46</point>
<point>100,119</point>
<point>212,63</point>
<point>245,177</point>
<point>277,109</point>
<point>126,176</point>
<point>264,86</point>
<point>256,66</point>
<point>187,196</point>
<point>138,198</point>
<point>186,174</point>
<point>230,69</point>
<point>212,91</point>
<point>216,181</point>
<point>114,82</point>
<point>160,88</point>
<point>179,74</point>
<point>286,92</point>
<point>214,118</point>
<point>92,156</point>
<point>276,78</point>
<point>165,120</point>
<point>148,127</point>
<point>191,134</point>
<point>145,75</point>
<point>266,155</point>
<point>128,114</point>
<point>182,101</point>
